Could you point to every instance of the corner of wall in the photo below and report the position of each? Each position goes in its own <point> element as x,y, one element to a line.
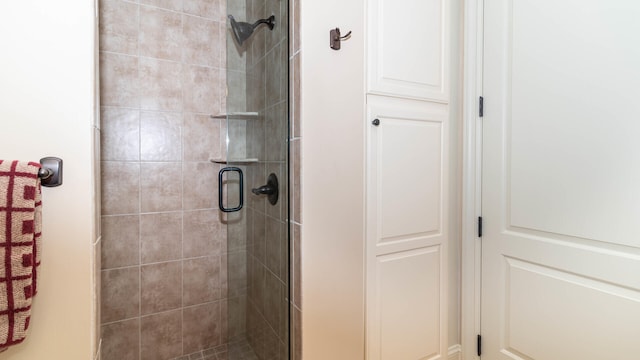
<point>455,352</point>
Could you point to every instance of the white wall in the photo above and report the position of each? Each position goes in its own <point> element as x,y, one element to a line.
<point>332,175</point>
<point>47,109</point>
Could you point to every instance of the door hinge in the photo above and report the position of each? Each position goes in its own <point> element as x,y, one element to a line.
<point>481,106</point>
<point>480,226</point>
<point>479,345</point>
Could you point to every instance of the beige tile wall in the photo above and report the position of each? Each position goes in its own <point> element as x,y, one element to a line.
<point>162,75</point>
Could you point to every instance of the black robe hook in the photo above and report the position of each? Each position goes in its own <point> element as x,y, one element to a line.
<point>335,39</point>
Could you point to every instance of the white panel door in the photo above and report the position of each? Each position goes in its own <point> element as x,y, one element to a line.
<point>408,48</point>
<point>561,180</point>
<point>406,230</point>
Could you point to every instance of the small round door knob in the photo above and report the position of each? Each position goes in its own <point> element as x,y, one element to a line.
<point>376,122</point>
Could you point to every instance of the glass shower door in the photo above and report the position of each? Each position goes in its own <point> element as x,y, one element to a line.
<point>256,130</point>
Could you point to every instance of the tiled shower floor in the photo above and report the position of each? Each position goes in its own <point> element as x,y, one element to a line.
<point>235,351</point>
<point>239,351</point>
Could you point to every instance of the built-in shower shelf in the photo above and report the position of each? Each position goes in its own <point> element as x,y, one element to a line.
<point>238,116</point>
<point>234,161</point>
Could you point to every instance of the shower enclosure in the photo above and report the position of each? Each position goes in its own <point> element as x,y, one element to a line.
<point>181,279</point>
<point>256,132</point>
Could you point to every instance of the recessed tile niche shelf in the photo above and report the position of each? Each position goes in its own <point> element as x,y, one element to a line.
<point>236,138</point>
<point>238,116</point>
<point>234,161</point>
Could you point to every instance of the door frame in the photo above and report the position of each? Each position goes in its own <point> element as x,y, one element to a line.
<point>471,260</point>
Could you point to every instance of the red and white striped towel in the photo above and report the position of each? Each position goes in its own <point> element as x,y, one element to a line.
<point>20,233</point>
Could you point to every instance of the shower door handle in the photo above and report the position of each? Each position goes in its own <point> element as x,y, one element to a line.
<point>221,193</point>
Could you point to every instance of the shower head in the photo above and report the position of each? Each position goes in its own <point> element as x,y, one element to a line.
<point>242,30</point>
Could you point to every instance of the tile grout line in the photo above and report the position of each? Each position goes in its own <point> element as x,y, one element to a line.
<point>182,145</point>
<point>139,101</point>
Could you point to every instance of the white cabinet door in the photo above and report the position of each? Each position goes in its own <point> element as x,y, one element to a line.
<point>408,48</point>
<point>407,230</point>
<point>561,180</point>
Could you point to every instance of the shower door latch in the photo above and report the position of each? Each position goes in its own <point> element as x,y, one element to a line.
<point>335,39</point>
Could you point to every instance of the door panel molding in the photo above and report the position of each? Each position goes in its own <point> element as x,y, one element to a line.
<point>394,33</point>
<point>407,229</point>
<point>406,305</point>
<point>551,301</point>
